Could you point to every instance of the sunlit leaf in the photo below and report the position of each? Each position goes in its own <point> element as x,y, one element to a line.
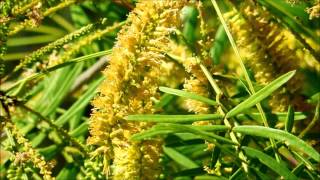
<point>180,158</point>
<point>261,94</point>
<point>187,95</point>
<point>279,135</point>
<point>289,119</point>
<point>270,162</point>
<point>173,118</point>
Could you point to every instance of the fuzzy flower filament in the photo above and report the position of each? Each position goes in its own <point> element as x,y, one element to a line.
<point>132,80</point>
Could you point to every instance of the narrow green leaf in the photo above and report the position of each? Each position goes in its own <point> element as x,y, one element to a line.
<point>190,150</point>
<point>238,174</point>
<point>59,66</point>
<point>46,29</point>
<point>14,55</point>
<point>314,98</point>
<point>189,16</point>
<point>163,130</point>
<point>270,162</point>
<point>210,178</point>
<point>63,22</point>
<point>9,135</point>
<point>261,175</point>
<point>219,45</point>
<point>188,173</point>
<point>261,94</point>
<point>313,122</point>
<point>50,151</point>
<point>189,32</point>
<point>288,16</point>
<point>173,118</point>
<point>80,130</point>
<point>80,59</point>
<point>81,103</point>
<point>280,116</point>
<point>57,92</point>
<point>209,136</point>
<point>38,139</point>
<point>68,172</point>
<point>182,178</point>
<point>186,136</point>
<point>180,158</point>
<point>304,160</point>
<point>164,100</point>
<point>38,39</point>
<point>298,169</point>
<point>280,135</point>
<point>149,134</point>
<point>74,121</point>
<point>289,119</point>
<point>187,95</point>
<point>209,127</point>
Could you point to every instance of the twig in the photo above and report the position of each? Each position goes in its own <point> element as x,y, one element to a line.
<point>313,122</point>
<point>89,73</point>
<point>246,75</point>
<point>47,12</point>
<point>222,109</point>
<point>58,129</point>
<point>124,3</point>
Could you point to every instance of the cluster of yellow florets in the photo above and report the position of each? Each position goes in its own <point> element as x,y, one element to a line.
<point>29,154</point>
<point>281,45</point>
<point>314,11</point>
<point>145,57</point>
<point>132,80</point>
<point>254,53</point>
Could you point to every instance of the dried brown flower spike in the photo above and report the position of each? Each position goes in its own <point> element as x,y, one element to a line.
<point>132,79</point>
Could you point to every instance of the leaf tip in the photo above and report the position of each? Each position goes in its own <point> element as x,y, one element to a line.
<point>162,88</point>
<point>292,73</point>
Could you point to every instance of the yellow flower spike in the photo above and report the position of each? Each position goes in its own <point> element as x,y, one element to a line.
<point>196,83</point>
<point>29,154</point>
<point>254,53</point>
<point>132,80</point>
<point>195,86</point>
<point>314,11</point>
<point>281,45</point>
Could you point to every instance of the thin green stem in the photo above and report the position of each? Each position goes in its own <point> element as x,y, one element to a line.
<point>221,107</point>
<point>221,110</point>
<point>233,44</point>
<point>63,22</point>
<point>54,126</point>
<point>61,111</point>
<point>313,122</point>
<point>246,75</point>
<point>14,56</point>
<point>25,8</point>
<point>23,41</point>
<point>211,80</point>
<point>46,29</point>
<point>286,14</point>
<point>56,67</point>
<point>58,7</point>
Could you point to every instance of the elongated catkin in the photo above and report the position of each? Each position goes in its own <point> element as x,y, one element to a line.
<point>132,80</point>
